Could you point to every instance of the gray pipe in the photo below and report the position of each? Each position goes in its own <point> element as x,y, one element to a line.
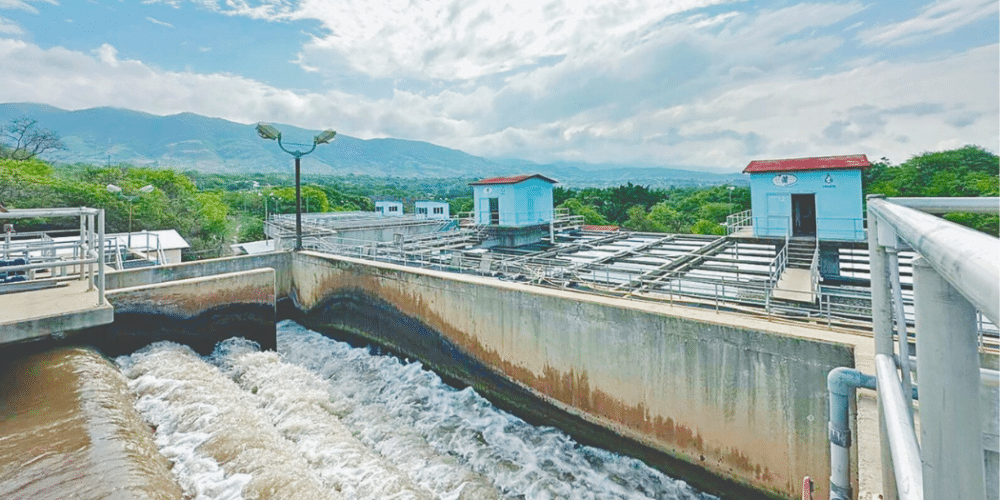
<point>842,383</point>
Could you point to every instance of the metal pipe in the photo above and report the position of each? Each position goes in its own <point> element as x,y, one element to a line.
<point>968,259</point>
<point>950,419</point>
<point>28,213</point>
<point>902,335</point>
<point>100,265</point>
<point>842,383</point>
<point>989,378</point>
<point>979,205</point>
<point>899,429</point>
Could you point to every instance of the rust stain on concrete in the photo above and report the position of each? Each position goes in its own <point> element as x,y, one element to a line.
<point>570,388</point>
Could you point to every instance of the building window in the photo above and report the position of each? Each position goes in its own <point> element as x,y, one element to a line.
<point>437,210</point>
<point>393,208</point>
<point>422,210</point>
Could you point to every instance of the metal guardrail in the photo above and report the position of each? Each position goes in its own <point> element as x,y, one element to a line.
<point>739,221</point>
<point>81,258</point>
<point>955,275</point>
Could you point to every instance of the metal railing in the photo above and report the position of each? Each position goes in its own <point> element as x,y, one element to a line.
<point>739,221</point>
<point>45,258</point>
<point>955,275</point>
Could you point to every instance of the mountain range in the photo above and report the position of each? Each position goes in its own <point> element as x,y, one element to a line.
<point>188,141</point>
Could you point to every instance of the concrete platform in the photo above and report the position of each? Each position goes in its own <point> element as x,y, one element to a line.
<point>34,314</point>
<point>795,285</point>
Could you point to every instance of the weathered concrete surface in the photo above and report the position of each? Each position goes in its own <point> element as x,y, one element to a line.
<point>742,398</point>
<point>31,315</point>
<point>198,312</point>
<point>279,261</point>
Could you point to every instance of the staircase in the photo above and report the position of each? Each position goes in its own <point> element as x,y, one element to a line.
<point>797,283</point>
<point>800,252</point>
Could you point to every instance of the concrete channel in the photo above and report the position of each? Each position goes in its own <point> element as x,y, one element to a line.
<point>735,405</point>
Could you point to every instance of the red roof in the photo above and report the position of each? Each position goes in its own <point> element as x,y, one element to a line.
<point>818,163</point>
<point>512,180</point>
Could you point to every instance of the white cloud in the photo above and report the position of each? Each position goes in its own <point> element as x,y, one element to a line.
<point>942,16</point>
<point>8,27</point>
<point>453,40</point>
<point>24,4</point>
<point>157,21</point>
<point>693,89</point>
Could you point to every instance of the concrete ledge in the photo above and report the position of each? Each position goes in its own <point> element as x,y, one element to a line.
<point>35,328</point>
<point>198,312</point>
<point>279,261</point>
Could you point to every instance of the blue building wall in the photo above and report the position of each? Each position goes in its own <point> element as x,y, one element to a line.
<point>426,210</point>
<point>838,202</point>
<point>526,203</point>
<point>389,208</point>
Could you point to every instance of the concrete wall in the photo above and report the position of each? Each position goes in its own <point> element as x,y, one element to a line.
<point>198,312</point>
<point>279,261</point>
<point>742,398</point>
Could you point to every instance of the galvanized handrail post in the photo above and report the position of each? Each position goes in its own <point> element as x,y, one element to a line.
<point>882,331</point>
<point>100,258</point>
<point>948,362</point>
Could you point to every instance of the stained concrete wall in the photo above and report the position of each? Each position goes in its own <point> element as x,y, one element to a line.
<point>279,261</point>
<point>198,312</point>
<point>740,397</point>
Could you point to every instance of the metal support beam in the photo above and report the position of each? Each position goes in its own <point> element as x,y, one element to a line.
<point>948,205</point>
<point>948,363</point>
<point>882,330</point>
<point>899,430</point>
<point>965,257</point>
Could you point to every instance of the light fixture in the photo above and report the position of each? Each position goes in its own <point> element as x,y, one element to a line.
<point>270,133</point>
<point>325,137</point>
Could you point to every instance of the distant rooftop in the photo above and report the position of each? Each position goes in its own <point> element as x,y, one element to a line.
<point>799,164</point>
<point>512,179</point>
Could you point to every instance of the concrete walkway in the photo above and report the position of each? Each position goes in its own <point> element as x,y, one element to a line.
<point>34,314</point>
<point>795,285</point>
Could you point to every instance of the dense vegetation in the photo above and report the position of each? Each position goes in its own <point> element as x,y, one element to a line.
<point>967,171</point>
<point>214,210</point>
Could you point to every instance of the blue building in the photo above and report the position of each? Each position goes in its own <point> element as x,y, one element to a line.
<point>518,201</point>
<point>819,197</point>
<point>431,209</point>
<point>389,208</point>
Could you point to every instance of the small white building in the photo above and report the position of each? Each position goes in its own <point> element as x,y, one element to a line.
<point>389,208</point>
<point>152,244</point>
<point>431,209</point>
<point>517,201</point>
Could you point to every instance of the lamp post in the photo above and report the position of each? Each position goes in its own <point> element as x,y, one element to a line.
<point>268,132</point>
<point>113,189</point>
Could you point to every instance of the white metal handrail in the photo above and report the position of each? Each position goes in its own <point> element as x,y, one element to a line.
<point>951,259</point>
<point>87,252</point>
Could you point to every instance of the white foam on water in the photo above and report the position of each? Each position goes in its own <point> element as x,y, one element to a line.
<point>389,404</point>
<point>221,444</point>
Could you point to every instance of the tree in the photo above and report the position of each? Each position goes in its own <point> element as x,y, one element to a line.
<point>22,140</point>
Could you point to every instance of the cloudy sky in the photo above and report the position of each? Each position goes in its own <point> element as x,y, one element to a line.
<point>710,84</point>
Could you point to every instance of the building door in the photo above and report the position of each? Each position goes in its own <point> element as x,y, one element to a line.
<point>803,215</point>
<point>495,211</point>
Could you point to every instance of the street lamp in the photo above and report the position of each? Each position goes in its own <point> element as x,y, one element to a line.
<point>113,189</point>
<point>270,133</point>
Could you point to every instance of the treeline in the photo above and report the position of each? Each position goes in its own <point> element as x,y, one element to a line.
<point>640,208</point>
<point>210,219</point>
<point>967,171</point>
<point>212,211</point>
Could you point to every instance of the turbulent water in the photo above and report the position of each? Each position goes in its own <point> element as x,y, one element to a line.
<point>321,419</point>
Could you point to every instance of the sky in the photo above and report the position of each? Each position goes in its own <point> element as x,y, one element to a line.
<point>703,84</point>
